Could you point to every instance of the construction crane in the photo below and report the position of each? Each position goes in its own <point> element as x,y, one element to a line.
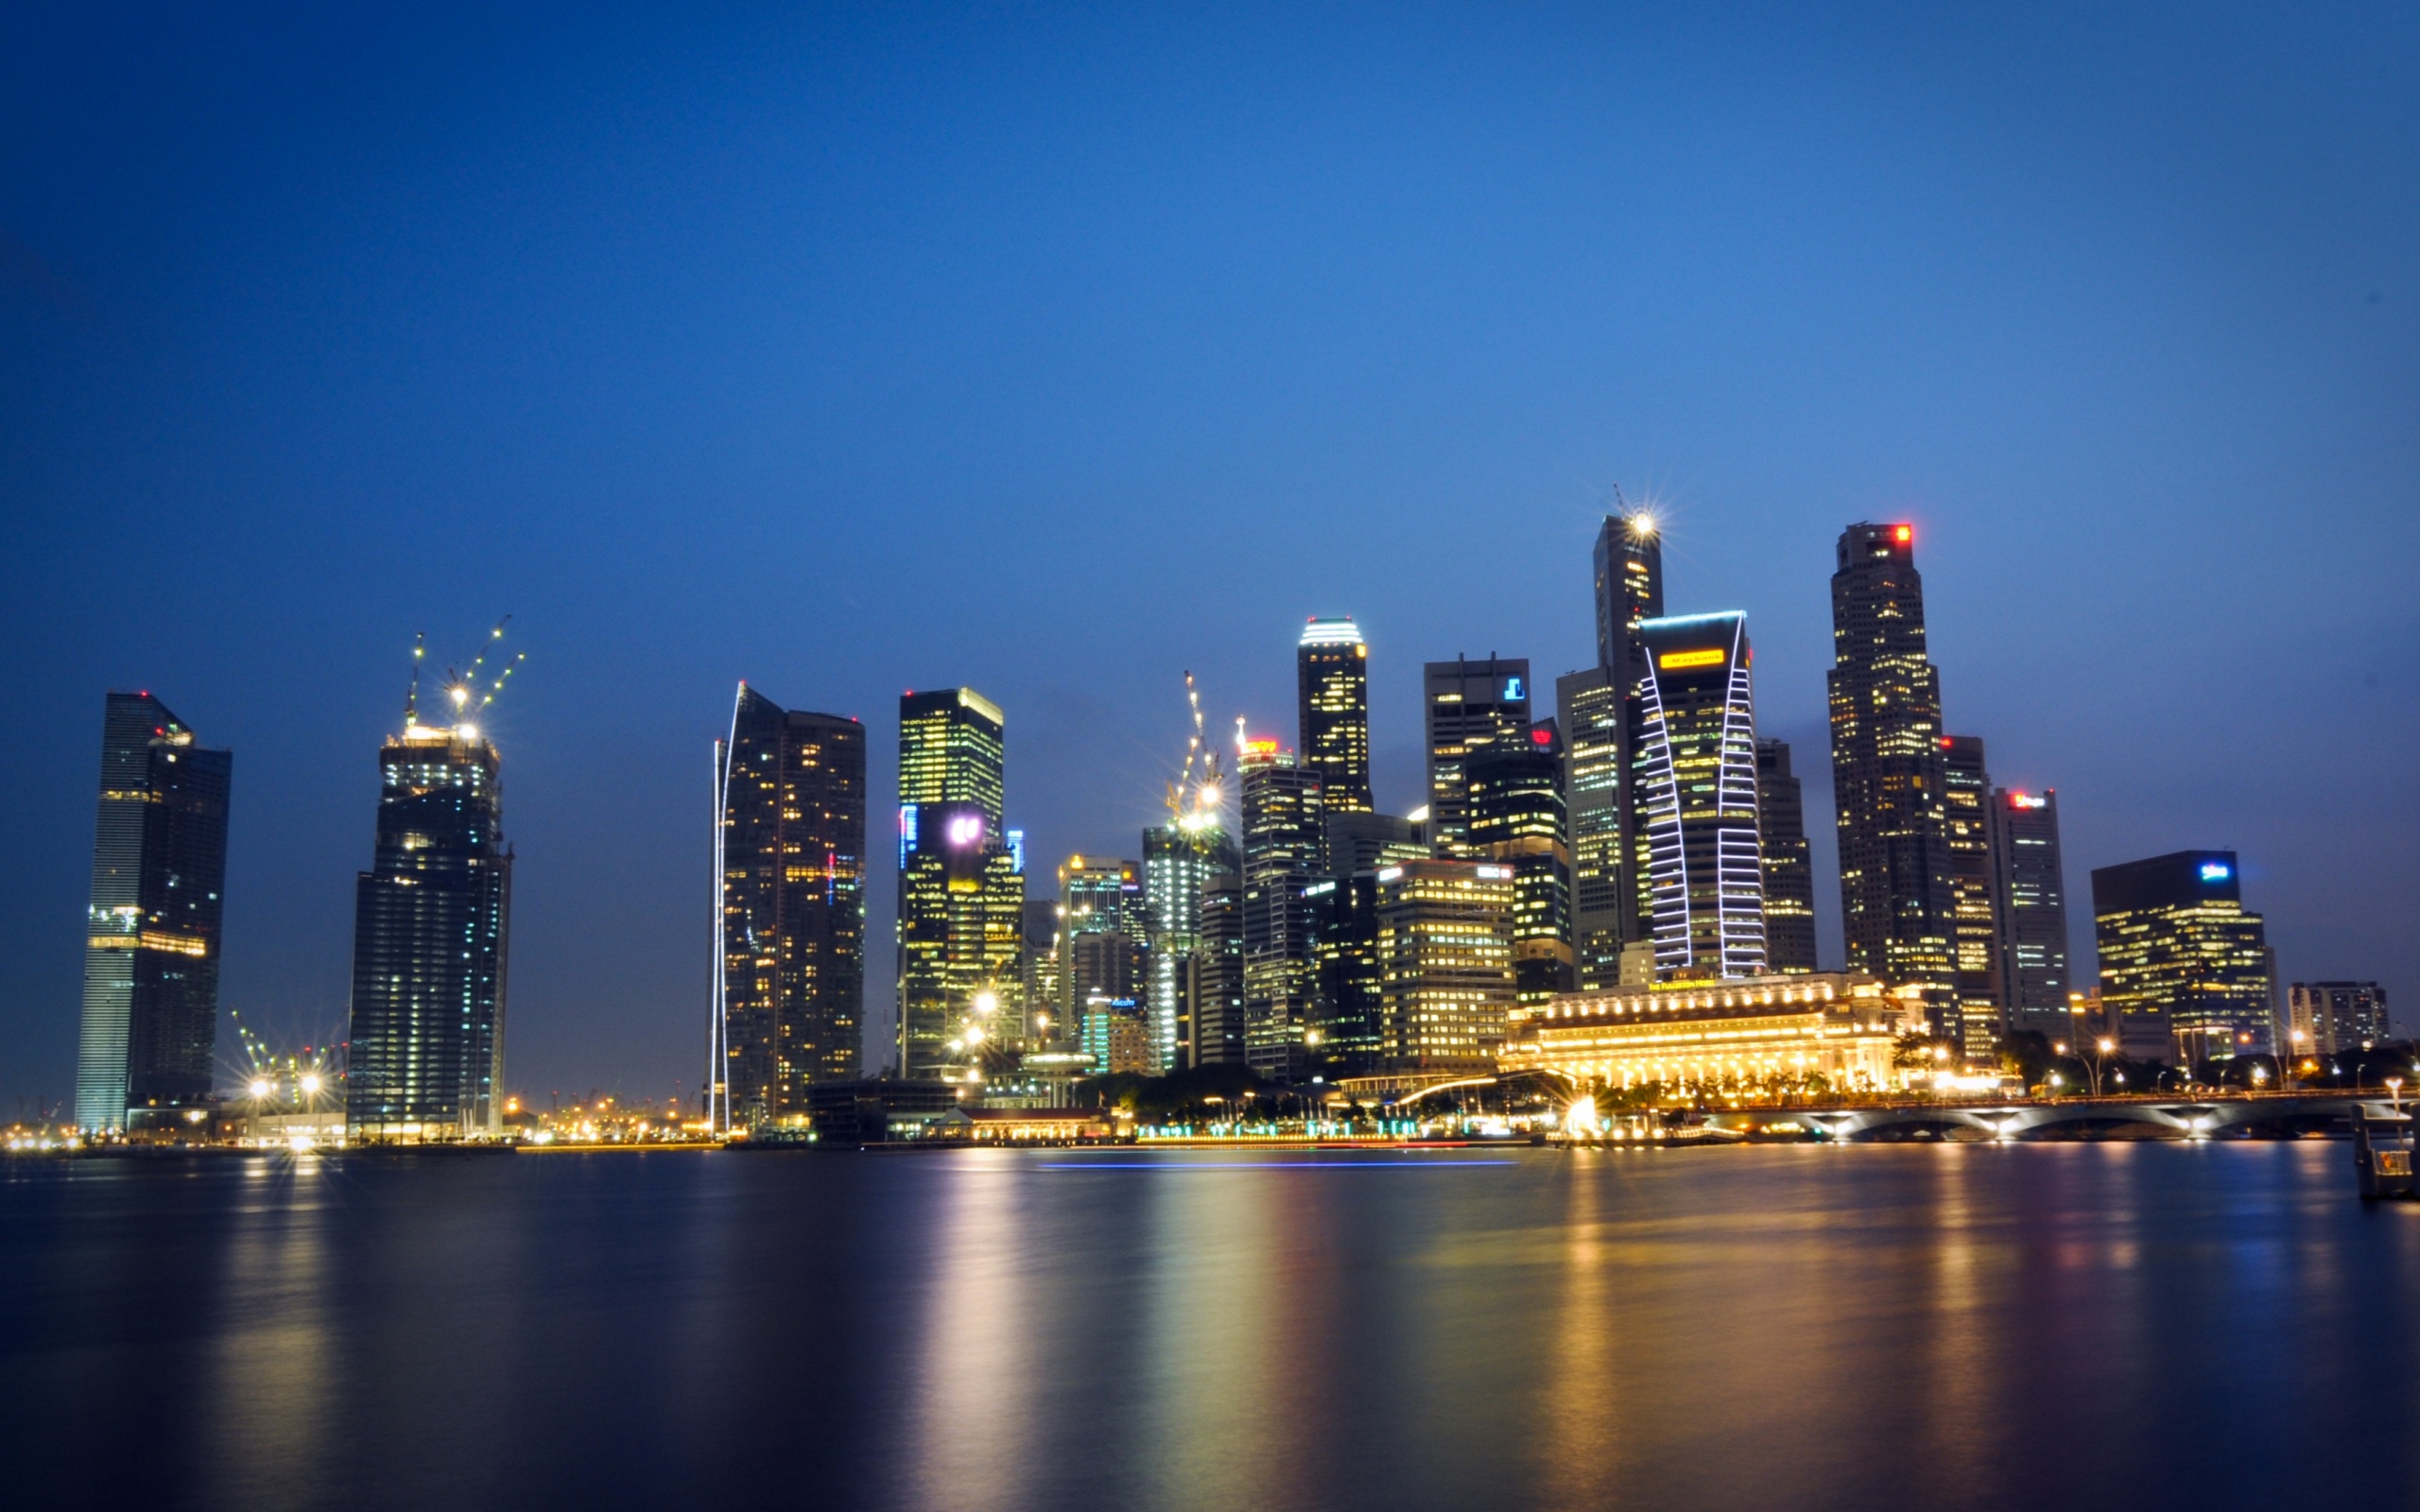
<point>1193,802</point>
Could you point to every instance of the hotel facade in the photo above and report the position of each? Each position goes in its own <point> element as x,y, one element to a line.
<point>1842,1027</point>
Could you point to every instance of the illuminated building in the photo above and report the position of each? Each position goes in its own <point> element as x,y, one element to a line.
<point>1179,861</point>
<point>2029,895</point>
<point>1897,905</point>
<point>962,884</point>
<point>1043,1023</point>
<point>1445,952</point>
<point>1332,675</point>
<point>1975,932</point>
<point>1696,780</point>
<point>1790,872</point>
<point>1351,1021</point>
<point>1758,1033</point>
<point>1100,893</point>
<point>789,843</point>
<point>1283,842</point>
<point>1517,820</point>
<point>1117,1034</point>
<point>1593,715</point>
<point>2176,944</point>
<point>1629,590</point>
<point>1470,706</point>
<point>1218,996</point>
<point>2332,1018</point>
<point>431,919</point>
<point>151,1022</point>
<point>1365,842</point>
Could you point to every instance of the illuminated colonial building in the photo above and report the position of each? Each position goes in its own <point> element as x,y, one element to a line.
<point>1332,677</point>
<point>150,1021</point>
<point>1470,706</point>
<point>2176,944</point>
<point>1696,780</point>
<point>961,883</point>
<point>1444,958</point>
<point>430,925</point>
<point>1517,820</point>
<point>1283,842</point>
<point>1746,1034</point>
<point>1975,939</point>
<point>2029,895</point>
<point>790,846</point>
<point>1790,872</point>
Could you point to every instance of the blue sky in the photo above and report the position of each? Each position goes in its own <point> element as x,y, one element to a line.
<point>1061,351</point>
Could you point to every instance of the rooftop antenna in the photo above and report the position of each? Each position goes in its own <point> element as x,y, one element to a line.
<point>411,696</point>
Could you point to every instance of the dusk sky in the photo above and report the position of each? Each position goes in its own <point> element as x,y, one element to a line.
<point>1057,352</point>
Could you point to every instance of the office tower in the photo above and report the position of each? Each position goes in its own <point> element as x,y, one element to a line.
<point>431,923</point>
<point>1790,871</point>
<point>2333,1018</point>
<point>1517,820</point>
<point>1350,1027</point>
<point>1218,981</point>
<point>1896,906</point>
<point>1283,853</point>
<point>1966,829</point>
<point>1593,715</point>
<point>1179,860</point>
<point>1332,676</point>
<point>1366,841</point>
<point>789,847</point>
<point>1043,1023</point>
<point>1630,590</point>
<point>2176,943</point>
<point>151,1024</point>
<point>1696,778</point>
<point>1109,974</point>
<point>1444,951</point>
<point>1117,1037</point>
<point>962,884</point>
<point>1471,705</point>
<point>2029,897</point>
<point>1103,893</point>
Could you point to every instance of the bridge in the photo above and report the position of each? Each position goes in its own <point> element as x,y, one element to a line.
<point>2142,1116</point>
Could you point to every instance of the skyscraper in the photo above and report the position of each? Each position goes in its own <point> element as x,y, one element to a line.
<point>789,843</point>
<point>151,1022</point>
<point>2176,943</point>
<point>961,883</point>
<point>1517,820</point>
<point>1790,872</point>
<point>1332,675</point>
<point>1593,715</point>
<point>1218,981</point>
<point>1630,590</point>
<point>1044,1025</point>
<point>2030,898</point>
<point>1897,911</point>
<point>1695,776</point>
<point>1966,828</point>
<point>1445,956</point>
<point>1180,858</point>
<point>1470,706</point>
<point>1283,854</point>
<point>2334,1018</point>
<point>431,925</point>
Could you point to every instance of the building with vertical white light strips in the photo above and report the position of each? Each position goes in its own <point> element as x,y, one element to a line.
<point>1697,786</point>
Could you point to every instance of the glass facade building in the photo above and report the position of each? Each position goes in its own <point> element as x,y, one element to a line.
<point>1629,590</point>
<point>1517,819</point>
<point>431,928</point>
<point>1284,853</point>
<point>2029,895</point>
<point>1470,706</point>
<point>789,843</point>
<point>1219,1036</point>
<point>1332,675</point>
<point>1179,861</point>
<point>1975,929</point>
<point>1897,910</point>
<point>2177,945</point>
<point>962,884</point>
<point>151,1019</point>
<point>1790,869</point>
<point>1696,778</point>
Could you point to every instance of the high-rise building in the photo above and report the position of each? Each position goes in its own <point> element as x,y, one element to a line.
<point>1471,705</point>
<point>789,847</point>
<point>1629,590</point>
<point>1218,978</point>
<point>431,924</point>
<point>1104,893</point>
<point>2029,895</point>
<point>1696,780</point>
<point>1445,952</point>
<point>1283,853</point>
<point>1044,1025</point>
<point>1790,871</point>
<point>1179,860</point>
<point>1897,910</point>
<point>2335,1018</point>
<point>1593,716</point>
<point>1975,941</point>
<point>1517,820</point>
<point>150,1023</point>
<point>962,884</point>
<point>1365,842</point>
<point>2175,942</point>
<point>1350,1023</point>
<point>1332,673</point>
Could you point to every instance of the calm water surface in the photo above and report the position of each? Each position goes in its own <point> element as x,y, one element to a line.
<point>2073,1326</point>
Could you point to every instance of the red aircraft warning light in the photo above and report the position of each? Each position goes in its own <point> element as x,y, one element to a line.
<point>1903,534</point>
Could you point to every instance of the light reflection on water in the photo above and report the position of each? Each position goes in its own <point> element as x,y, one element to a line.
<point>2220,1325</point>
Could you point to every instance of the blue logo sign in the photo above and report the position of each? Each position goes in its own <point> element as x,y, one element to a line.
<point>1513,693</point>
<point>2215,871</point>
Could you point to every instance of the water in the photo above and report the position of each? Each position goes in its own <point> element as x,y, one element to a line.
<point>2052,1326</point>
